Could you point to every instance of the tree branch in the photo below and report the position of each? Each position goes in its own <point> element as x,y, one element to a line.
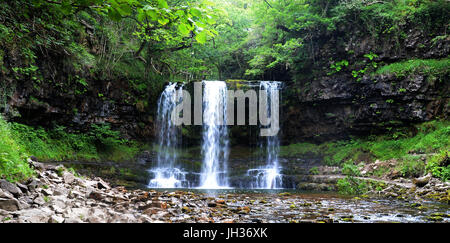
<point>268,3</point>
<point>143,44</point>
<point>284,28</point>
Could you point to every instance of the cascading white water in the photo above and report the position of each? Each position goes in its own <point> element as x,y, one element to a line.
<point>166,174</point>
<point>268,177</point>
<point>215,136</point>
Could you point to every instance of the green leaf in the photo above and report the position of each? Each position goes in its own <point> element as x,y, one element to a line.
<point>114,14</point>
<point>210,20</point>
<point>195,12</point>
<point>150,11</point>
<point>125,9</point>
<point>152,14</point>
<point>183,29</point>
<point>162,4</point>
<point>163,21</point>
<point>141,15</point>
<point>201,37</point>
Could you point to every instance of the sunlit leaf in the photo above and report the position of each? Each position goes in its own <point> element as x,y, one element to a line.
<point>201,37</point>
<point>163,21</point>
<point>183,29</point>
<point>210,20</point>
<point>195,12</point>
<point>162,4</point>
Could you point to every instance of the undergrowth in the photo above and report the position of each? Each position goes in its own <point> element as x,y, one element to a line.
<point>430,67</point>
<point>13,159</point>
<point>431,137</point>
<point>100,143</point>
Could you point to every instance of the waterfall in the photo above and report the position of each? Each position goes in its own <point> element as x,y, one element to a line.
<point>215,136</point>
<point>268,177</point>
<point>166,174</point>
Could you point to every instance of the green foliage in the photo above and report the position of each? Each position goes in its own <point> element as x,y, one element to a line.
<point>430,138</point>
<point>411,167</point>
<point>314,171</point>
<point>369,64</point>
<point>299,148</point>
<point>338,66</point>
<point>417,66</point>
<point>13,159</point>
<point>439,165</point>
<point>350,169</point>
<point>101,143</point>
<point>351,185</point>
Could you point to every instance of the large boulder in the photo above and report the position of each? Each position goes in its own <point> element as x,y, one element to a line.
<point>9,187</point>
<point>9,204</point>
<point>422,181</point>
<point>36,215</point>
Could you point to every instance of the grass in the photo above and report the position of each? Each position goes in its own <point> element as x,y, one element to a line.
<point>13,159</point>
<point>439,165</point>
<point>421,66</point>
<point>99,144</point>
<point>18,142</point>
<point>431,137</point>
<point>411,167</point>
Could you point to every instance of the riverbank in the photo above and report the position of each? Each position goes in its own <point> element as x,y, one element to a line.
<point>57,195</point>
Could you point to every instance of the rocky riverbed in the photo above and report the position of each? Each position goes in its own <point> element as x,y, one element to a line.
<point>56,195</point>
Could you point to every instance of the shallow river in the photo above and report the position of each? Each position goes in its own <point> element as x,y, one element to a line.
<point>272,206</point>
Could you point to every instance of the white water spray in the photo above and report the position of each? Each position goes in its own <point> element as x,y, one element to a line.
<point>268,177</point>
<point>166,174</point>
<point>215,136</point>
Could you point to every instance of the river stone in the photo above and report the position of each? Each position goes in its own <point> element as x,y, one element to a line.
<point>9,204</point>
<point>22,187</point>
<point>36,215</point>
<point>8,186</point>
<point>80,213</point>
<point>123,218</point>
<point>95,195</point>
<point>37,165</point>
<point>56,219</point>
<point>5,194</point>
<point>68,177</point>
<point>73,221</point>
<point>24,204</point>
<point>33,184</point>
<point>422,181</point>
<point>39,200</point>
<point>97,216</point>
<point>59,191</point>
<point>47,192</point>
<point>103,185</point>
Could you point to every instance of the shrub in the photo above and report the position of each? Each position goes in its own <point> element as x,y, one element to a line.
<point>101,143</point>
<point>439,166</point>
<point>351,185</point>
<point>411,167</point>
<point>13,160</point>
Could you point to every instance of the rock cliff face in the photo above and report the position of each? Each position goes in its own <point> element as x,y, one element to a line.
<point>74,98</point>
<point>48,106</point>
<point>337,105</point>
